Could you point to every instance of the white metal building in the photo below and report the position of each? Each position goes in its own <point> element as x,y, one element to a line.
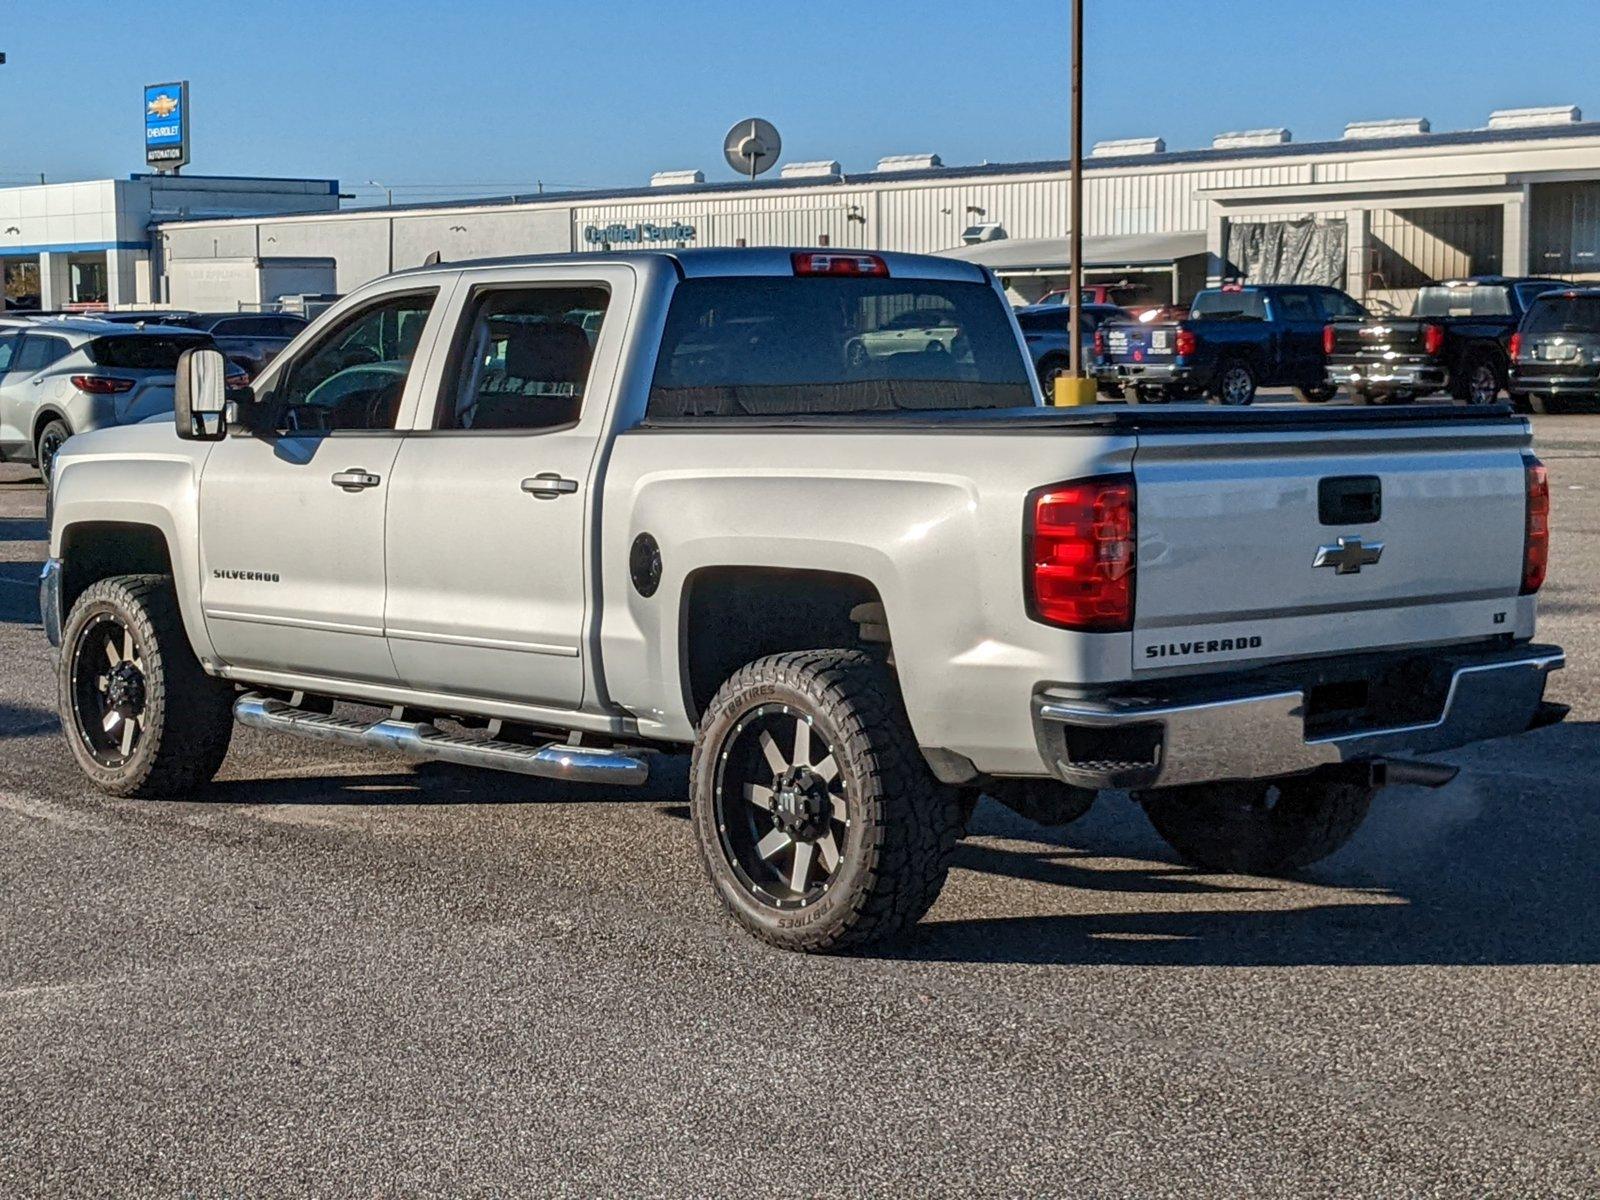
<point>67,245</point>
<point>1380,211</point>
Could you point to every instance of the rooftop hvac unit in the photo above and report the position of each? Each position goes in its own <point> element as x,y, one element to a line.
<point>909,162</point>
<point>676,178</point>
<point>1244,138</point>
<point>988,231</point>
<point>1128,147</point>
<point>1388,128</point>
<point>1533,118</point>
<point>821,169</point>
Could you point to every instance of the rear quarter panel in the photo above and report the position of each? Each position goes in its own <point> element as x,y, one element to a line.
<point>934,521</point>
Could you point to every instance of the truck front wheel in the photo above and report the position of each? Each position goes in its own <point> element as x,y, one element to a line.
<point>143,719</point>
<point>817,817</point>
<point>1258,827</point>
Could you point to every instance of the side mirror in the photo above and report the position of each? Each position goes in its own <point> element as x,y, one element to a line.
<point>200,395</point>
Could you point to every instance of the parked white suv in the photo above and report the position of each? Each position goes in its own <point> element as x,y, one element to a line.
<point>861,589</point>
<point>70,375</point>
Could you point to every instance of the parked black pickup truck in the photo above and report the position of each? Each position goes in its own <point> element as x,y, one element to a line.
<point>1458,336</point>
<point>1555,353</point>
<point>1234,340</point>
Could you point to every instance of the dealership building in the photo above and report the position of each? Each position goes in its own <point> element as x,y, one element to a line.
<point>1388,206</point>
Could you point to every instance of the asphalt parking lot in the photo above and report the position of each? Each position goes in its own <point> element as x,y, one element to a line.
<point>336,973</point>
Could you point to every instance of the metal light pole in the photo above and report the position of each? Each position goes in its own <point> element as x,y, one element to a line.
<point>1075,388</point>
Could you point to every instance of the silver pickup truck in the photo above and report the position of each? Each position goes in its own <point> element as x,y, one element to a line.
<point>562,515</point>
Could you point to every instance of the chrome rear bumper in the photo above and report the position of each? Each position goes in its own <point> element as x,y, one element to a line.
<point>1261,733</point>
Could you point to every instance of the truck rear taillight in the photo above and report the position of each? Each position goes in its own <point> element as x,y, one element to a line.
<point>1516,346</point>
<point>1080,547</point>
<point>1185,342</point>
<point>1432,339</point>
<point>1328,338</point>
<point>1099,342</point>
<point>101,385</point>
<point>1536,538</point>
<point>818,262</point>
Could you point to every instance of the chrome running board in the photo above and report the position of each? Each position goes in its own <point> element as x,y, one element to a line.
<point>424,740</point>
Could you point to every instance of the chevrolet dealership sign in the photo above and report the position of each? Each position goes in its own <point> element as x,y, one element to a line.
<point>166,125</point>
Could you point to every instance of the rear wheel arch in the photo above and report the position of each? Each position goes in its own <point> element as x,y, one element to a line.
<point>733,615</point>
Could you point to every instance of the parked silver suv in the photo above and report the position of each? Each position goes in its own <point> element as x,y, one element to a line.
<point>69,375</point>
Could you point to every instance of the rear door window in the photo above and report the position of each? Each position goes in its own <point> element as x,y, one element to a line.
<point>1298,306</point>
<point>524,364</point>
<point>39,351</point>
<point>836,345</point>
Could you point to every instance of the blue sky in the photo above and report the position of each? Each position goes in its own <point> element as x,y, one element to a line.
<point>455,97</point>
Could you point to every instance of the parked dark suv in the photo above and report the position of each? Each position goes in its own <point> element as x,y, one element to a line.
<point>250,339</point>
<point>1555,352</point>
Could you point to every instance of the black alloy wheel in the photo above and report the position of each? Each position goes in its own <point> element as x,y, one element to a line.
<point>780,806</point>
<point>109,689</point>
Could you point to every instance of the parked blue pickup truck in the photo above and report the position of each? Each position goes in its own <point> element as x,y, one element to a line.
<point>1235,339</point>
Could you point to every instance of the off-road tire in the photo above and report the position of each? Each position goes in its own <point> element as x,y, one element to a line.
<point>1467,381</point>
<point>188,715</point>
<point>904,823</point>
<point>1259,827</point>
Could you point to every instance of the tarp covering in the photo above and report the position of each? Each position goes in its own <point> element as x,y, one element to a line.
<point>1303,251</point>
<point>1033,254</point>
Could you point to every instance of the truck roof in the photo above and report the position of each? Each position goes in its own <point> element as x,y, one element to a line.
<point>754,260</point>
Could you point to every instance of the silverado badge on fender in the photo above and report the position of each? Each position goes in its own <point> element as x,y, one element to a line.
<point>1348,555</point>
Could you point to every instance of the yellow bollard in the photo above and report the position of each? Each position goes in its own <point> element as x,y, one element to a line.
<point>1073,393</point>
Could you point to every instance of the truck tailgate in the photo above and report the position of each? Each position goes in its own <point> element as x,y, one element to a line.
<point>1231,526</point>
<point>1139,343</point>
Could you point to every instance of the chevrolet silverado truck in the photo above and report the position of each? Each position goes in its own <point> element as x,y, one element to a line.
<point>1457,339</point>
<point>1234,340</point>
<point>860,592</point>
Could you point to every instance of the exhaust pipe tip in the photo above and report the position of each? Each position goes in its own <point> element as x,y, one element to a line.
<point>1389,772</point>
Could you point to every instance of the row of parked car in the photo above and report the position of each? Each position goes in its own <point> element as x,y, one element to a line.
<point>1538,339</point>
<point>62,374</point>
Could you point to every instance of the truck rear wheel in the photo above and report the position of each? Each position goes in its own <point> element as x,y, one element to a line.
<point>143,719</point>
<point>1236,384</point>
<point>1258,827</point>
<point>817,817</point>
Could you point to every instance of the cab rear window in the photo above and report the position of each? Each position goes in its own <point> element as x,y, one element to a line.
<point>1463,302</point>
<point>1229,306</point>
<point>765,346</point>
<point>143,351</point>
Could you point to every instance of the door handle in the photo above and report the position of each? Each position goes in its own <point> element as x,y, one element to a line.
<point>547,485</point>
<point>355,479</point>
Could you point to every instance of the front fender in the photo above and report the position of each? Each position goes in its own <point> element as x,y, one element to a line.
<point>159,491</point>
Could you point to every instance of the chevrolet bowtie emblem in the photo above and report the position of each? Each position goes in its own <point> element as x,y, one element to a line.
<point>1348,555</point>
<point>163,105</point>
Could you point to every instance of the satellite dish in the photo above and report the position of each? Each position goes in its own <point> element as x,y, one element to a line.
<point>752,146</point>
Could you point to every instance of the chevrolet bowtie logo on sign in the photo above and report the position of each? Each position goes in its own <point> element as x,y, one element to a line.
<point>1348,555</point>
<point>162,106</point>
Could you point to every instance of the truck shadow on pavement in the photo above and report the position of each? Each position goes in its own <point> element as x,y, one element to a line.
<point>22,720</point>
<point>1495,870</point>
